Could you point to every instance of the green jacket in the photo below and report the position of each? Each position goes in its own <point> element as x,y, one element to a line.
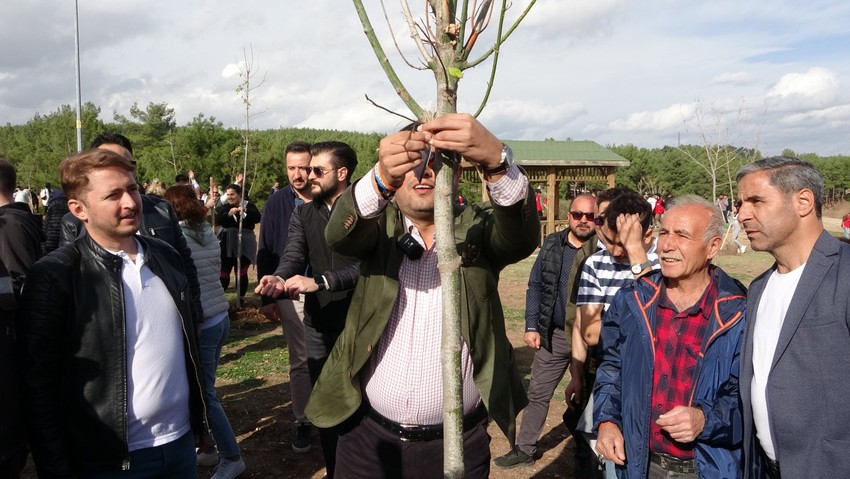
<point>488,237</point>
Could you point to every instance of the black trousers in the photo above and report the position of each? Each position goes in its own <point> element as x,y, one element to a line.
<point>319,344</point>
<point>368,451</point>
<point>229,264</point>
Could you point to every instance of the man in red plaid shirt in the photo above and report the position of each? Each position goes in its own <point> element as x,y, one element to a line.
<point>666,395</point>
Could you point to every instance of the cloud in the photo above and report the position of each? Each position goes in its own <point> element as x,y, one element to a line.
<point>532,120</point>
<point>578,20</point>
<point>231,70</point>
<point>832,117</point>
<point>666,119</point>
<point>816,88</point>
<point>734,79</point>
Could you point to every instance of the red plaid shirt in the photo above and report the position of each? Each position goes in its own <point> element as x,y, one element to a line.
<point>678,340</point>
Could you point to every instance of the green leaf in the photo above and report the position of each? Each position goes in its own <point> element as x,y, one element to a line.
<point>455,72</point>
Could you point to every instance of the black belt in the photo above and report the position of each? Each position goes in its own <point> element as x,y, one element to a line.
<point>413,433</point>
<point>672,464</point>
<point>772,468</point>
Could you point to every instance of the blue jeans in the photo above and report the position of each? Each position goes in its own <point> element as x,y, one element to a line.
<point>210,344</point>
<point>175,460</point>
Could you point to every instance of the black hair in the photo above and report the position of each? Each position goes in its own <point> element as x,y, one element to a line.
<point>297,147</point>
<point>630,202</point>
<point>8,177</point>
<point>342,155</point>
<point>112,139</point>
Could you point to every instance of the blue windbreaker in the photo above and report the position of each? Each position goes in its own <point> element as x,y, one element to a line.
<point>623,389</point>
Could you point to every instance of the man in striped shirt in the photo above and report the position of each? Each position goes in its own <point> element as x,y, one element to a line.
<point>623,227</point>
<point>629,253</point>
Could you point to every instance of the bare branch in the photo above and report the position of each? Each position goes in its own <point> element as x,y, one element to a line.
<point>501,39</point>
<point>388,110</point>
<point>492,79</point>
<point>414,34</point>
<point>400,89</point>
<point>482,19</point>
<point>461,34</point>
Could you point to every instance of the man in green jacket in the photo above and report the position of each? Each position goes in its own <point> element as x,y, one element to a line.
<point>382,382</point>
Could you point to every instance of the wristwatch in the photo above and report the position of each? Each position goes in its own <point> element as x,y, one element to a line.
<point>504,163</point>
<point>638,268</point>
<point>321,282</point>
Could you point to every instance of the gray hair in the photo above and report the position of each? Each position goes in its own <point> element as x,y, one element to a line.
<point>716,224</point>
<point>789,175</point>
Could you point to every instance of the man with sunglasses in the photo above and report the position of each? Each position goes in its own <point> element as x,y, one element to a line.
<point>327,289</point>
<point>382,382</point>
<point>549,315</point>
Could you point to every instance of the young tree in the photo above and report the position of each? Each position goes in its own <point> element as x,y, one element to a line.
<point>719,130</point>
<point>445,39</point>
<point>245,89</point>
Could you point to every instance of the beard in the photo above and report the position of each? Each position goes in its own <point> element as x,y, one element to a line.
<point>583,235</point>
<point>323,191</point>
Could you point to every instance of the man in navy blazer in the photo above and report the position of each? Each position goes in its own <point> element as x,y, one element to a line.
<point>795,372</point>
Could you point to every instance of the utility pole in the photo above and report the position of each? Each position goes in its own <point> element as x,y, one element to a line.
<point>79,92</point>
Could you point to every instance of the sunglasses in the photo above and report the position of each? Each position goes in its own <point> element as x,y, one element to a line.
<point>599,220</point>
<point>317,171</point>
<point>576,215</point>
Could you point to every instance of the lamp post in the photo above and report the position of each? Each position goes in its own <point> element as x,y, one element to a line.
<point>79,93</point>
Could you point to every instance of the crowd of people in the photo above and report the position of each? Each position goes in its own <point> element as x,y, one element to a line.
<point>114,317</point>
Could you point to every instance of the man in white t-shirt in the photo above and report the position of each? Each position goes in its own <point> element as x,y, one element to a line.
<point>109,356</point>
<point>795,367</point>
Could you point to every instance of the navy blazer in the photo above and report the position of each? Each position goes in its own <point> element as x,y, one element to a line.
<point>808,390</point>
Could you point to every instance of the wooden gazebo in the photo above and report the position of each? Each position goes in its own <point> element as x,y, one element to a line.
<point>551,162</point>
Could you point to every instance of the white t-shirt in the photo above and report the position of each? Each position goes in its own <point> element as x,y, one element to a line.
<point>774,304</point>
<point>157,382</point>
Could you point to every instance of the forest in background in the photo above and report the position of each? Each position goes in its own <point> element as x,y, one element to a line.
<point>164,149</point>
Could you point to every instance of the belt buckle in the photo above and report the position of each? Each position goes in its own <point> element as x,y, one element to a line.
<point>410,432</point>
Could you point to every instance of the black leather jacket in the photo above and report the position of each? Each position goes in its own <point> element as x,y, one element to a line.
<point>158,221</point>
<point>71,330</point>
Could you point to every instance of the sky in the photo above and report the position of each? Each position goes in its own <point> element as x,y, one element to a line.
<point>767,75</point>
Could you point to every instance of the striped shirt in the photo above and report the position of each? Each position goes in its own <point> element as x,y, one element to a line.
<point>602,277</point>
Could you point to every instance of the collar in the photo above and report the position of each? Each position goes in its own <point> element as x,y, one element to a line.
<point>140,255</point>
<point>703,305</point>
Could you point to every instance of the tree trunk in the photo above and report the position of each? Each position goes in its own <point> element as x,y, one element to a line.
<point>449,266</point>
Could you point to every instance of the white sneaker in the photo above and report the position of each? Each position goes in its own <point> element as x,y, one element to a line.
<point>742,249</point>
<point>228,469</point>
<point>207,458</point>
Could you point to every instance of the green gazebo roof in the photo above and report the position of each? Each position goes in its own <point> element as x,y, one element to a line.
<point>564,153</point>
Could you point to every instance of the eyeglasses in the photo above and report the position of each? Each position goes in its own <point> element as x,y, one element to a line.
<point>599,220</point>
<point>316,170</point>
<point>577,215</point>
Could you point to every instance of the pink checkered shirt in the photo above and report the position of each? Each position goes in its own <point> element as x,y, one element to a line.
<point>403,379</point>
